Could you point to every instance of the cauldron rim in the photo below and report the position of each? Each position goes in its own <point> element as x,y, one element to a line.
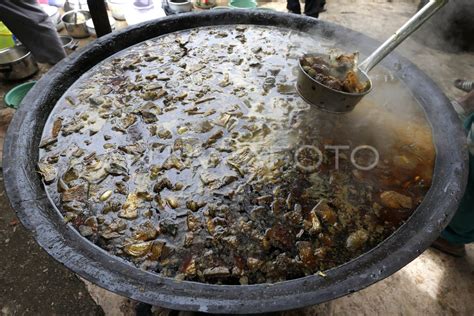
<point>63,243</point>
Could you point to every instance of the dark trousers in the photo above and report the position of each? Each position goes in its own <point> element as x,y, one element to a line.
<point>32,26</point>
<point>311,7</point>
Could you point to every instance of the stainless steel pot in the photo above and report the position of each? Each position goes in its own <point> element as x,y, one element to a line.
<point>75,23</point>
<point>17,63</point>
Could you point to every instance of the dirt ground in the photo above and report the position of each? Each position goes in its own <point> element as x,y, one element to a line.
<point>435,284</point>
<point>31,283</point>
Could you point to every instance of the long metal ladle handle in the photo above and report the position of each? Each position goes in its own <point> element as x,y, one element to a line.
<point>396,39</point>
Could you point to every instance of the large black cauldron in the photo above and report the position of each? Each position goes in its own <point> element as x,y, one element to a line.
<point>28,197</point>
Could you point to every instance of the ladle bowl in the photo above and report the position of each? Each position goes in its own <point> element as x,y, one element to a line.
<point>332,100</point>
<point>326,98</point>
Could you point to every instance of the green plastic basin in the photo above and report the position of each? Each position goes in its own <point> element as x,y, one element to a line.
<point>14,96</point>
<point>243,4</point>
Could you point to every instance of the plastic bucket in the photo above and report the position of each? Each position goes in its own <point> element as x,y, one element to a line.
<point>6,37</point>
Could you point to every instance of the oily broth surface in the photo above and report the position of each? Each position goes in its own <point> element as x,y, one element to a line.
<point>178,154</point>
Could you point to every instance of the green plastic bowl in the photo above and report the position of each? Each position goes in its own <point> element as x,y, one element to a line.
<point>14,96</point>
<point>243,4</point>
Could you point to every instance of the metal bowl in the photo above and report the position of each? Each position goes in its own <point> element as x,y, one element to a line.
<point>75,23</point>
<point>17,63</point>
<point>69,44</point>
<point>28,198</point>
<point>76,4</point>
<point>180,6</point>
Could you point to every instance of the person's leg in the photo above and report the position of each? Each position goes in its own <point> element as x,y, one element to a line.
<point>321,6</point>
<point>312,8</point>
<point>465,105</point>
<point>293,6</point>
<point>32,26</point>
<point>460,230</point>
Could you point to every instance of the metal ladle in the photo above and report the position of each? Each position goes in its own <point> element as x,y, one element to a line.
<point>333,100</point>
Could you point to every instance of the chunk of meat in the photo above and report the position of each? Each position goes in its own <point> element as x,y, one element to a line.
<point>395,200</point>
